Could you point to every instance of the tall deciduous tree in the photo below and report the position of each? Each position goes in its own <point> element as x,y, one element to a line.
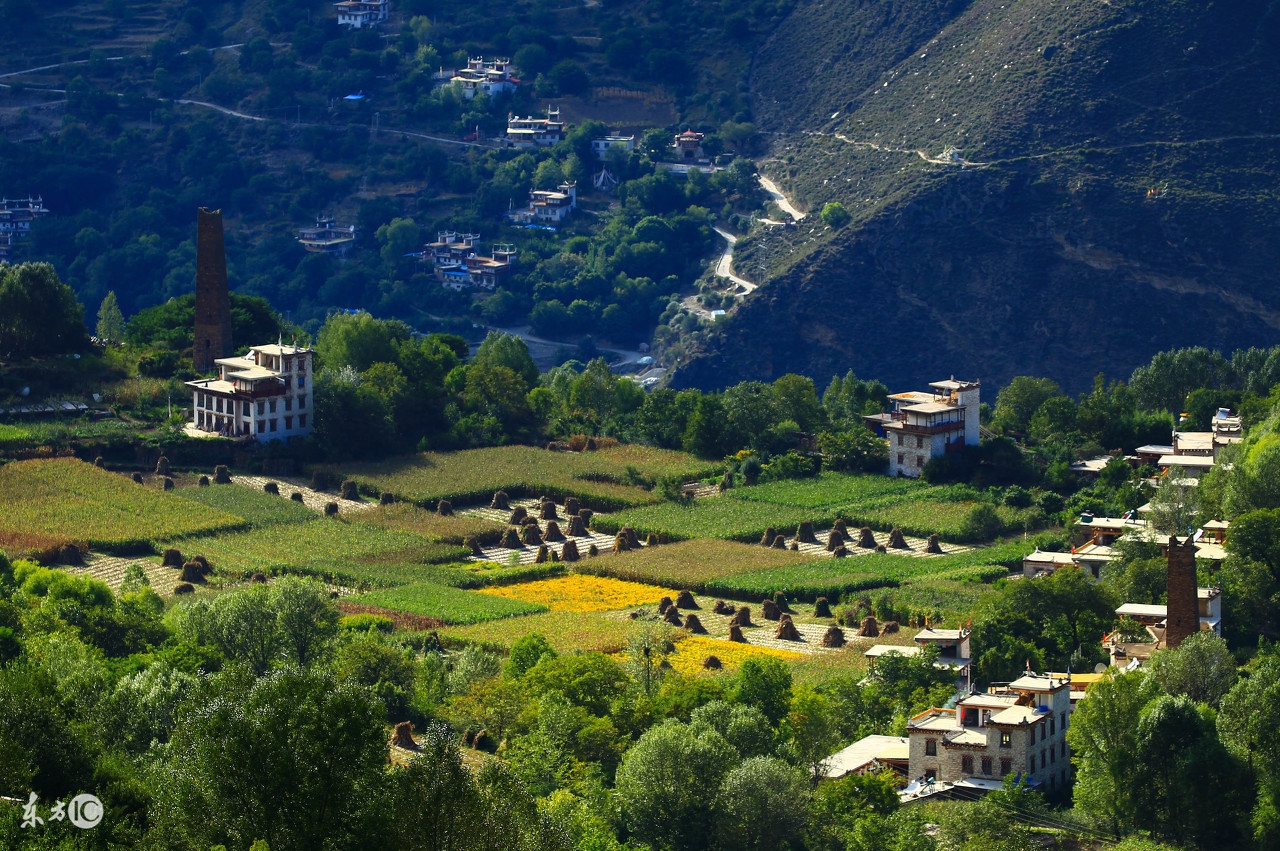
<point>110,319</point>
<point>762,805</point>
<point>39,314</point>
<point>1247,723</point>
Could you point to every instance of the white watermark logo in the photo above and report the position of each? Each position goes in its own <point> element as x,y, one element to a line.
<point>84,811</point>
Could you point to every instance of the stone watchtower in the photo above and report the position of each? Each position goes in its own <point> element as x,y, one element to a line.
<point>213,302</point>
<point>1183,611</point>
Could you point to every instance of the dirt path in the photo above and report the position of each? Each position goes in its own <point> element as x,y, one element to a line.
<point>775,195</point>
<point>725,267</point>
<point>315,500</point>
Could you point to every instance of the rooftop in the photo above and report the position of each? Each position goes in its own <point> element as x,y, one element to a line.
<point>1016,715</point>
<point>1037,682</point>
<point>866,751</point>
<point>1197,462</point>
<point>940,720</point>
<point>931,634</point>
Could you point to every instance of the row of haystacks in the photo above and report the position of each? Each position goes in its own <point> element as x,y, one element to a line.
<point>838,537</point>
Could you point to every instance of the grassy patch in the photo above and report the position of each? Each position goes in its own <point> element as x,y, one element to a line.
<point>453,530</point>
<point>474,475</point>
<point>690,564</point>
<point>579,593</point>
<point>64,499</point>
<point>831,490</point>
<point>256,506</point>
<point>451,605</point>
<point>565,631</point>
<point>717,517</point>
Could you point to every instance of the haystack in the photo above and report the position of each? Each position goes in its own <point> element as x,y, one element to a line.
<point>258,578</point>
<point>835,539</point>
<point>591,444</point>
<point>172,558</point>
<point>137,478</point>
<point>766,540</point>
<point>576,527</point>
<point>350,491</point>
<point>780,542</point>
<point>868,628</point>
<point>162,466</point>
<point>833,637</point>
<point>723,608</point>
<point>780,599</point>
<point>632,538</point>
<point>192,572</point>
<point>70,554</point>
<point>795,547</point>
<point>330,509</point>
<point>184,588</point>
<point>571,505</point>
<point>896,540</point>
<point>518,514</point>
<point>889,628</point>
<point>672,616</point>
<point>500,501</point>
<point>621,544</point>
<point>530,535</point>
<point>684,600</point>
<point>664,604</point>
<point>570,551</point>
<point>804,534</point>
<point>840,551</point>
<point>651,540</point>
<point>203,482</point>
<point>726,483</point>
<point>933,546</point>
<point>541,557</point>
<point>402,737</point>
<point>769,610</point>
<point>880,548</point>
<point>840,524</point>
<point>694,624</point>
<point>271,488</point>
<point>712,663</point>
<point>586,514</point>
<point>203,562</point>
<point>167,484</point>
<point>530,520</point>
<point>548,511</point>
<point>221,475</point>
<point>510,539</point>
<point>553,532</point>
<point>386,498</point>
<point>593,550</point>
<point>866,538</point>
<point>296,496</point>
<point>444,508</point>
<point>787,630</point>
<point>821,608</point>
<point>735,634</point>
<point>742,617</point>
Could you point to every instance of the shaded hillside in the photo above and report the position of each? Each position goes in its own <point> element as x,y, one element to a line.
<point>1120,193</point>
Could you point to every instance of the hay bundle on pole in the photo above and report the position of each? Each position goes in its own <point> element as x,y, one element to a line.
<point>530,535</point>
<point>694,624</point>
<point>712,663</point>
<point>258,578</point>
<point>840,524</point>
<point>192,572</point>
<point>896,540</point>
<point>167,484</point>
<point>529,521</point>
<point>672,616</point>
<point>735,634</point>
<point>664,604</point>
<point>621,544</point>
<point>833,637</point>
<point>137,478</point>
<point>684,600</point>
<point>651,540</point>
<point>769,610</point>
<point>553,532</point>
<point>402,737</point>
<point>444,508</point>
<point>576,527</point>
<point>723,608</point>
<point>510,539</point>
<point>183,588</point>
<point>203,482</point>
<point>330,509</point>
<point>835,539</point>
<point>780,542</point>
<point>780,600</point>
<point>296,496</point>
<point>586,514</point>
<point>571,505</point>
<point>473,543</point>
<point>518,514</point>
<point>593,551</point>
<point>271,488</point>
<point>548,511</point>
<point>570,551</point>
<point>821,608</point>
<point>500,501</point>
<point>350,492</point>
<point>632,538</point>
<point>866,538</point>
<point>386,498</point>
<point>840,551</point>
<point>868,628</point>
<point>889,628</point>
<point>742,617</point>
<point>172,558</point>
<point>880,548</point>
<point>766,539</point>
<point>162,466</point>
<point>804,534</point>
<point>933,545</point>
<point>221,475</point>
<point>541,557</point>
<point>787,630</point>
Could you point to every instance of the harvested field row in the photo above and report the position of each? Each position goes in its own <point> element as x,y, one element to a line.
<point>111,570</point>
<point>454,529</point>
<point>251,502</point>
<point>313,499</point>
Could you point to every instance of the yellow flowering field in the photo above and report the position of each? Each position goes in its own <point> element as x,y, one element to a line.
<point>691,651</point>
<point>580,593</point>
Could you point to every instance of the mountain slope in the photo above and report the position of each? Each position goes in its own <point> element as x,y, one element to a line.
<point>1114,191</point>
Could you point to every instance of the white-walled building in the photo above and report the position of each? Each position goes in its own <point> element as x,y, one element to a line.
<point>530,132</point>
<point>490,76</point>
<point>923,426</point>
<point>358,14</point>
<point>265,395</point>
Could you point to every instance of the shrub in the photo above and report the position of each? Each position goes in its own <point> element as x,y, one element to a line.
<point>835,215</point>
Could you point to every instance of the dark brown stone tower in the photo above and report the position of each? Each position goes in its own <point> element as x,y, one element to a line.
<point>1183,612</point>
<point>213,303</point>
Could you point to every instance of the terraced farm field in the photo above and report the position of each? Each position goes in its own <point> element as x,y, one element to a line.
<point>580,593</point>
<point>67,500</point>
<point>451,605</point>
<point>254,505</point>
<point>455,529</point>
<point>834,490</point>
<point>690,564</point>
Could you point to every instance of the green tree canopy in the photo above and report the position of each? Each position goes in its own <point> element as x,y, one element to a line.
<point>39,315</point>
<point>358,340</point>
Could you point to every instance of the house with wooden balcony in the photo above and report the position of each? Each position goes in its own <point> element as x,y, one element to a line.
<point>328,237</point>
<point>263,395</point>
<point>484,76</point>
<point>923,426</point>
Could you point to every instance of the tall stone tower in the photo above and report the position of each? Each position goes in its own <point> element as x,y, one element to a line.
<point>213,302</point>
<point>1183,612</point>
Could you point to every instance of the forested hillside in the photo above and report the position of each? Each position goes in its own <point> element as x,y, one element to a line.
<point>1111,188</point>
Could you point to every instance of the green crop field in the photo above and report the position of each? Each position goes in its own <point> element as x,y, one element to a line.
<point>831,578</point>
<point>451,605</point>
<point>256,506</point>
<point>690,564</point>
<point>331,547</point>
<point>65,500</point>
<point>833,490</point>
<point>473,475</point>
<point>715,517</point>
<point>455,529</point>
<point>926,517</point>
<point>564,631</point>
